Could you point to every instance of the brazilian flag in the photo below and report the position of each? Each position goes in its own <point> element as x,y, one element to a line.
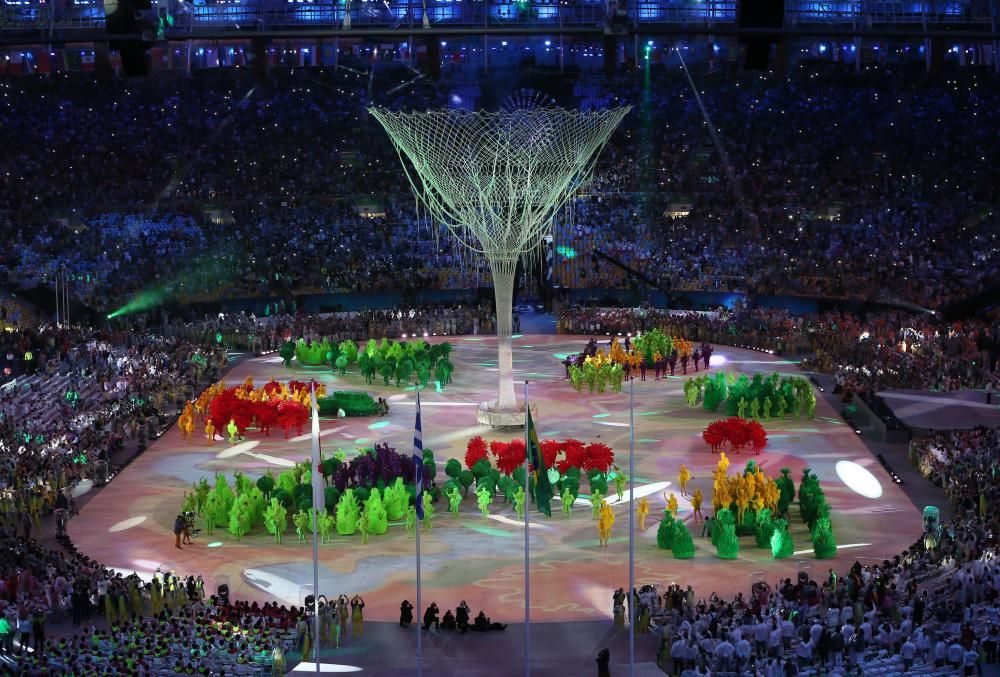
<point>543,489</point>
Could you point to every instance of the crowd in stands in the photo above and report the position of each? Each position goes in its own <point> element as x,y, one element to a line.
<point>966,463</point>
<point>866,354</point>
<point>926,611</point>
<point>263,334</point>
<point>884,195</point>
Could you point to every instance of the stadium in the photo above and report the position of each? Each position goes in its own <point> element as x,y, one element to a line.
<point>489,338</point>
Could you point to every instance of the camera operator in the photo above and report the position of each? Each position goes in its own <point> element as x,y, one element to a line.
<point>189,530</point>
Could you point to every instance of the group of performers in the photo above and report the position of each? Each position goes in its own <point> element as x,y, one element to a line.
<point>282,404</point>
<point>635,363</point>
<point>602,513</point>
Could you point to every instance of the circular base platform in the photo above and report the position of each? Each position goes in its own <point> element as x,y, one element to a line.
<point>488,414</point>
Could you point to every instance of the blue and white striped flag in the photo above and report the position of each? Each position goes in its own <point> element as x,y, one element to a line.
<point>418,462</point>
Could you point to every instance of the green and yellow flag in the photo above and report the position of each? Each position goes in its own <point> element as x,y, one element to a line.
<point>543,489</point>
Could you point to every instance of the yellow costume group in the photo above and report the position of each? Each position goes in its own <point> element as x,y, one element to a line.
<point>744,490</point>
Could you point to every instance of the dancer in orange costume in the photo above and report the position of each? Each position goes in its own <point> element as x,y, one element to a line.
<point>210,431</point>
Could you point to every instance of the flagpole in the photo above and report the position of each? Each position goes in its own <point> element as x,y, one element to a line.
<point>316,461</point>
<point>420,632</point>
<point>631,526</point>
<point>527,547</point>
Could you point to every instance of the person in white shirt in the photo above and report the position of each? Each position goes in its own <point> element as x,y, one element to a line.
<point>787,632</point>
<point>723,655</point>
<point>969,661</point>
<point>940,653</point>
<point>907,652</point>
<point>774,642</point>
<point>804,651</point>
<point>866,630</point>
<point>677,652</point>
<point>814,632</point>
<point>760,633</point>
<point>955,655</point>
<point>742,654</point>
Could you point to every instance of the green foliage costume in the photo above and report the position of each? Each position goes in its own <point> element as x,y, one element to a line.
<point>484,498</point>
<point>428,510</point>
<point>824,544</point>
<point>596,499</point>
<point>347,513</point>
<point>519,502</point>
<point>454,500</point>
<point>727,545</point>
<point>411,521</point>
<point>567,501</point>
<point>781,540</point>
<point>276,519</point>
<point>375,514</point>
<point>683,544</point>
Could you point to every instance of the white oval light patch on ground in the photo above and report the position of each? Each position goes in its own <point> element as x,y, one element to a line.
<point>127,524</point>
<point>859,479</point>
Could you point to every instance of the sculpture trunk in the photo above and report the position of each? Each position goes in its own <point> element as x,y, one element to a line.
<point>503,290</point>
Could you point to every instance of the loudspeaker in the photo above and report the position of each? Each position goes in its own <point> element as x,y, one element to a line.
<point>760,14</point>
<point>258,53</point>
<point>123,18</point>
<point>610,54</point>
<point>434,57</point>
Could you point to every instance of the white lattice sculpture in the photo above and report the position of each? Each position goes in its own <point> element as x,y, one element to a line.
<point>496,179</point>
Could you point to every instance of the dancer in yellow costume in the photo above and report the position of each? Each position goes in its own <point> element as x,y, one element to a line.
<point>696,500</point>
<point>683,477</point>
<point>605,521</point>
<point>643,511</point>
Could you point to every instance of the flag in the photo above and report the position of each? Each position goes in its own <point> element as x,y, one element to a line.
<point>318,496</point>
<point>543,488</point>
<point>418,462</point>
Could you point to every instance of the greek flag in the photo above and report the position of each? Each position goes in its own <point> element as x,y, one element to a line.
<point>418,462</point>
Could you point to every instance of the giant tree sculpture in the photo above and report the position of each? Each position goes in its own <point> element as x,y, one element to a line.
<point>496,179</point>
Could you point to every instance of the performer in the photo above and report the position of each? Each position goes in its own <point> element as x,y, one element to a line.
<point>519,502</point>
<point>619,609</point>
<point>363,527</point>
<point>706,353</point>
<point>672,505</point>
<point>604,523</point>
<point>411,521</point>
<point>620,481</point>
<point>186,423</point>
<point>684,362</point>
<point>428,510</point>
<point>234,432</point>
<point>596,499</point>
<point>673,361</point>
<point>567,501</point>
<point>454,500</point>
<point>696,500</point>
<point>210,431</point>
<point>357,616</point>
<point>696,357</point>
<point>484,497</point>
<point>643,511</point>
<point>683,477</point>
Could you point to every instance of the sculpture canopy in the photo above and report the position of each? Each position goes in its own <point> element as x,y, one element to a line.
<point>496,179</point>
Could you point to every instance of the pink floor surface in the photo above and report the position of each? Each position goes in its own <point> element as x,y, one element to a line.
<point>128,524</point>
